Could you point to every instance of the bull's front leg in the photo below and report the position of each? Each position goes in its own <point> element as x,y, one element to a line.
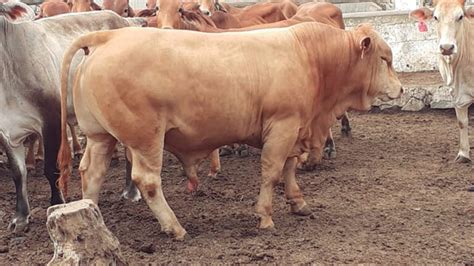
<point>279,143</point>
<point>462,114</point>
<point>293,192</point>
<point>16,156</point>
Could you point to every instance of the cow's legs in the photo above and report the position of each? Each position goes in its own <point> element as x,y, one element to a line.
<point>146,171</point>
<point>215,164</point>
<point>330,147</point>
<point>346,129</point>
<point>16,156</point>
<point>292,190</point>
<point>131,191</point>
<point>76,146</point>
<point>278,144</point>
<point>462,114</point>
<point>94,164</point>
<point>30,153</point>
<point>40,153</point>
<point>51,141</point>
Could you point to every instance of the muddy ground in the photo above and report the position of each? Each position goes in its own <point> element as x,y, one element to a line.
<point>393,195</point>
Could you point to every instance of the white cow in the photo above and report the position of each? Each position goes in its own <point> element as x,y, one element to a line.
<point>455,28</point>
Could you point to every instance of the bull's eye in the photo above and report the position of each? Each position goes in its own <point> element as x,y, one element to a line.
<point>435,18</point>
<point>180,10</point>
<point>460,18</point>
<point>157,8</point>
<point>126,10</point>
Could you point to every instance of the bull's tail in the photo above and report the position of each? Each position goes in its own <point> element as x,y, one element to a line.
<point>64,154</point>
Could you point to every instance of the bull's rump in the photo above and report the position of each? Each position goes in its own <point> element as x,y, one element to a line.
<point>206,89</point>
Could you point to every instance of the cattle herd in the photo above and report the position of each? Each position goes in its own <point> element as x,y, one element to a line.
<point>274,75</point>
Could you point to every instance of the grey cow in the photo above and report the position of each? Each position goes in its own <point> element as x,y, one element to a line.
<point>31,55</point>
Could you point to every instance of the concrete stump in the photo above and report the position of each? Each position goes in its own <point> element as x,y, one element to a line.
<point>80,236</point>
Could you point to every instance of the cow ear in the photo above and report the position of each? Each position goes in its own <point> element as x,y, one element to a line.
<point>470,12</point>
<point>365,45</point>
<point>421,13</point>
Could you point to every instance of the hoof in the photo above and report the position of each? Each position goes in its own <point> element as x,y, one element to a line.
<point>346,132</point>
<point>308,167</point>
<point>19,224</point>
<point>266,223</point>
<point>132,195</point>
<point>301,211</point>
<point>179,234</point>
<point>329,153</point>
<point>243,151</point>
<point>462,159</point>
<point>225,151</point>
<point>471,188</point>
<point>213,174</point>
<point>30,167</point>
<point>192,186</point>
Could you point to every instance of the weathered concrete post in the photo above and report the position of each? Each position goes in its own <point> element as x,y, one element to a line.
<point>80,236</point>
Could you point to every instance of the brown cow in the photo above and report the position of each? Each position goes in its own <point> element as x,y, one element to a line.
<point>51,8</point>
<point>121,7</point>
<point>169,110</point>
<point>83,5</point>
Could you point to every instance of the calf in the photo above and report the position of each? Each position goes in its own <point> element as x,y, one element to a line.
<point>455,29</point>
<point>169,110</point>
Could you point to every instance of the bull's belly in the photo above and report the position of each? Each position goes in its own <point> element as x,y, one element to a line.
<point>181,142</point>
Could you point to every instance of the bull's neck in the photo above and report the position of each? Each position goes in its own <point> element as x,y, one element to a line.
<point>331,56</point>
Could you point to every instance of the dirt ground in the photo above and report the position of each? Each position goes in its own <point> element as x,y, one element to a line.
<point>392,195</point>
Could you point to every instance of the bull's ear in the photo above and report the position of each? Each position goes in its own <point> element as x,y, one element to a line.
<point>421,13</point>
<point>365,45</point>
<point>470,12</point>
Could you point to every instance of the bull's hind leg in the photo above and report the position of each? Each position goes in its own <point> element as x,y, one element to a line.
<point>94,164</point>
<point>76,146</point>
<point>278,144</point>
<point>293,193</point>
<point>215,164</point>
<point>346,129</point>
<point>147,163</point>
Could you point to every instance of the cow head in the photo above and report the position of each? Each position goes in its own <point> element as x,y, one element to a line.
<point>374,72</point>
<point>80,5</point>
<point>170,14</point>
<point>15,10</point>
<point>450,16</point>
<point>120,7</point>
<point>208,7</point>
<point>150,4</point>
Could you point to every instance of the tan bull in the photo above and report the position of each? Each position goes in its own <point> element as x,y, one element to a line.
<point>169,110</point>
<point>455,29</point>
